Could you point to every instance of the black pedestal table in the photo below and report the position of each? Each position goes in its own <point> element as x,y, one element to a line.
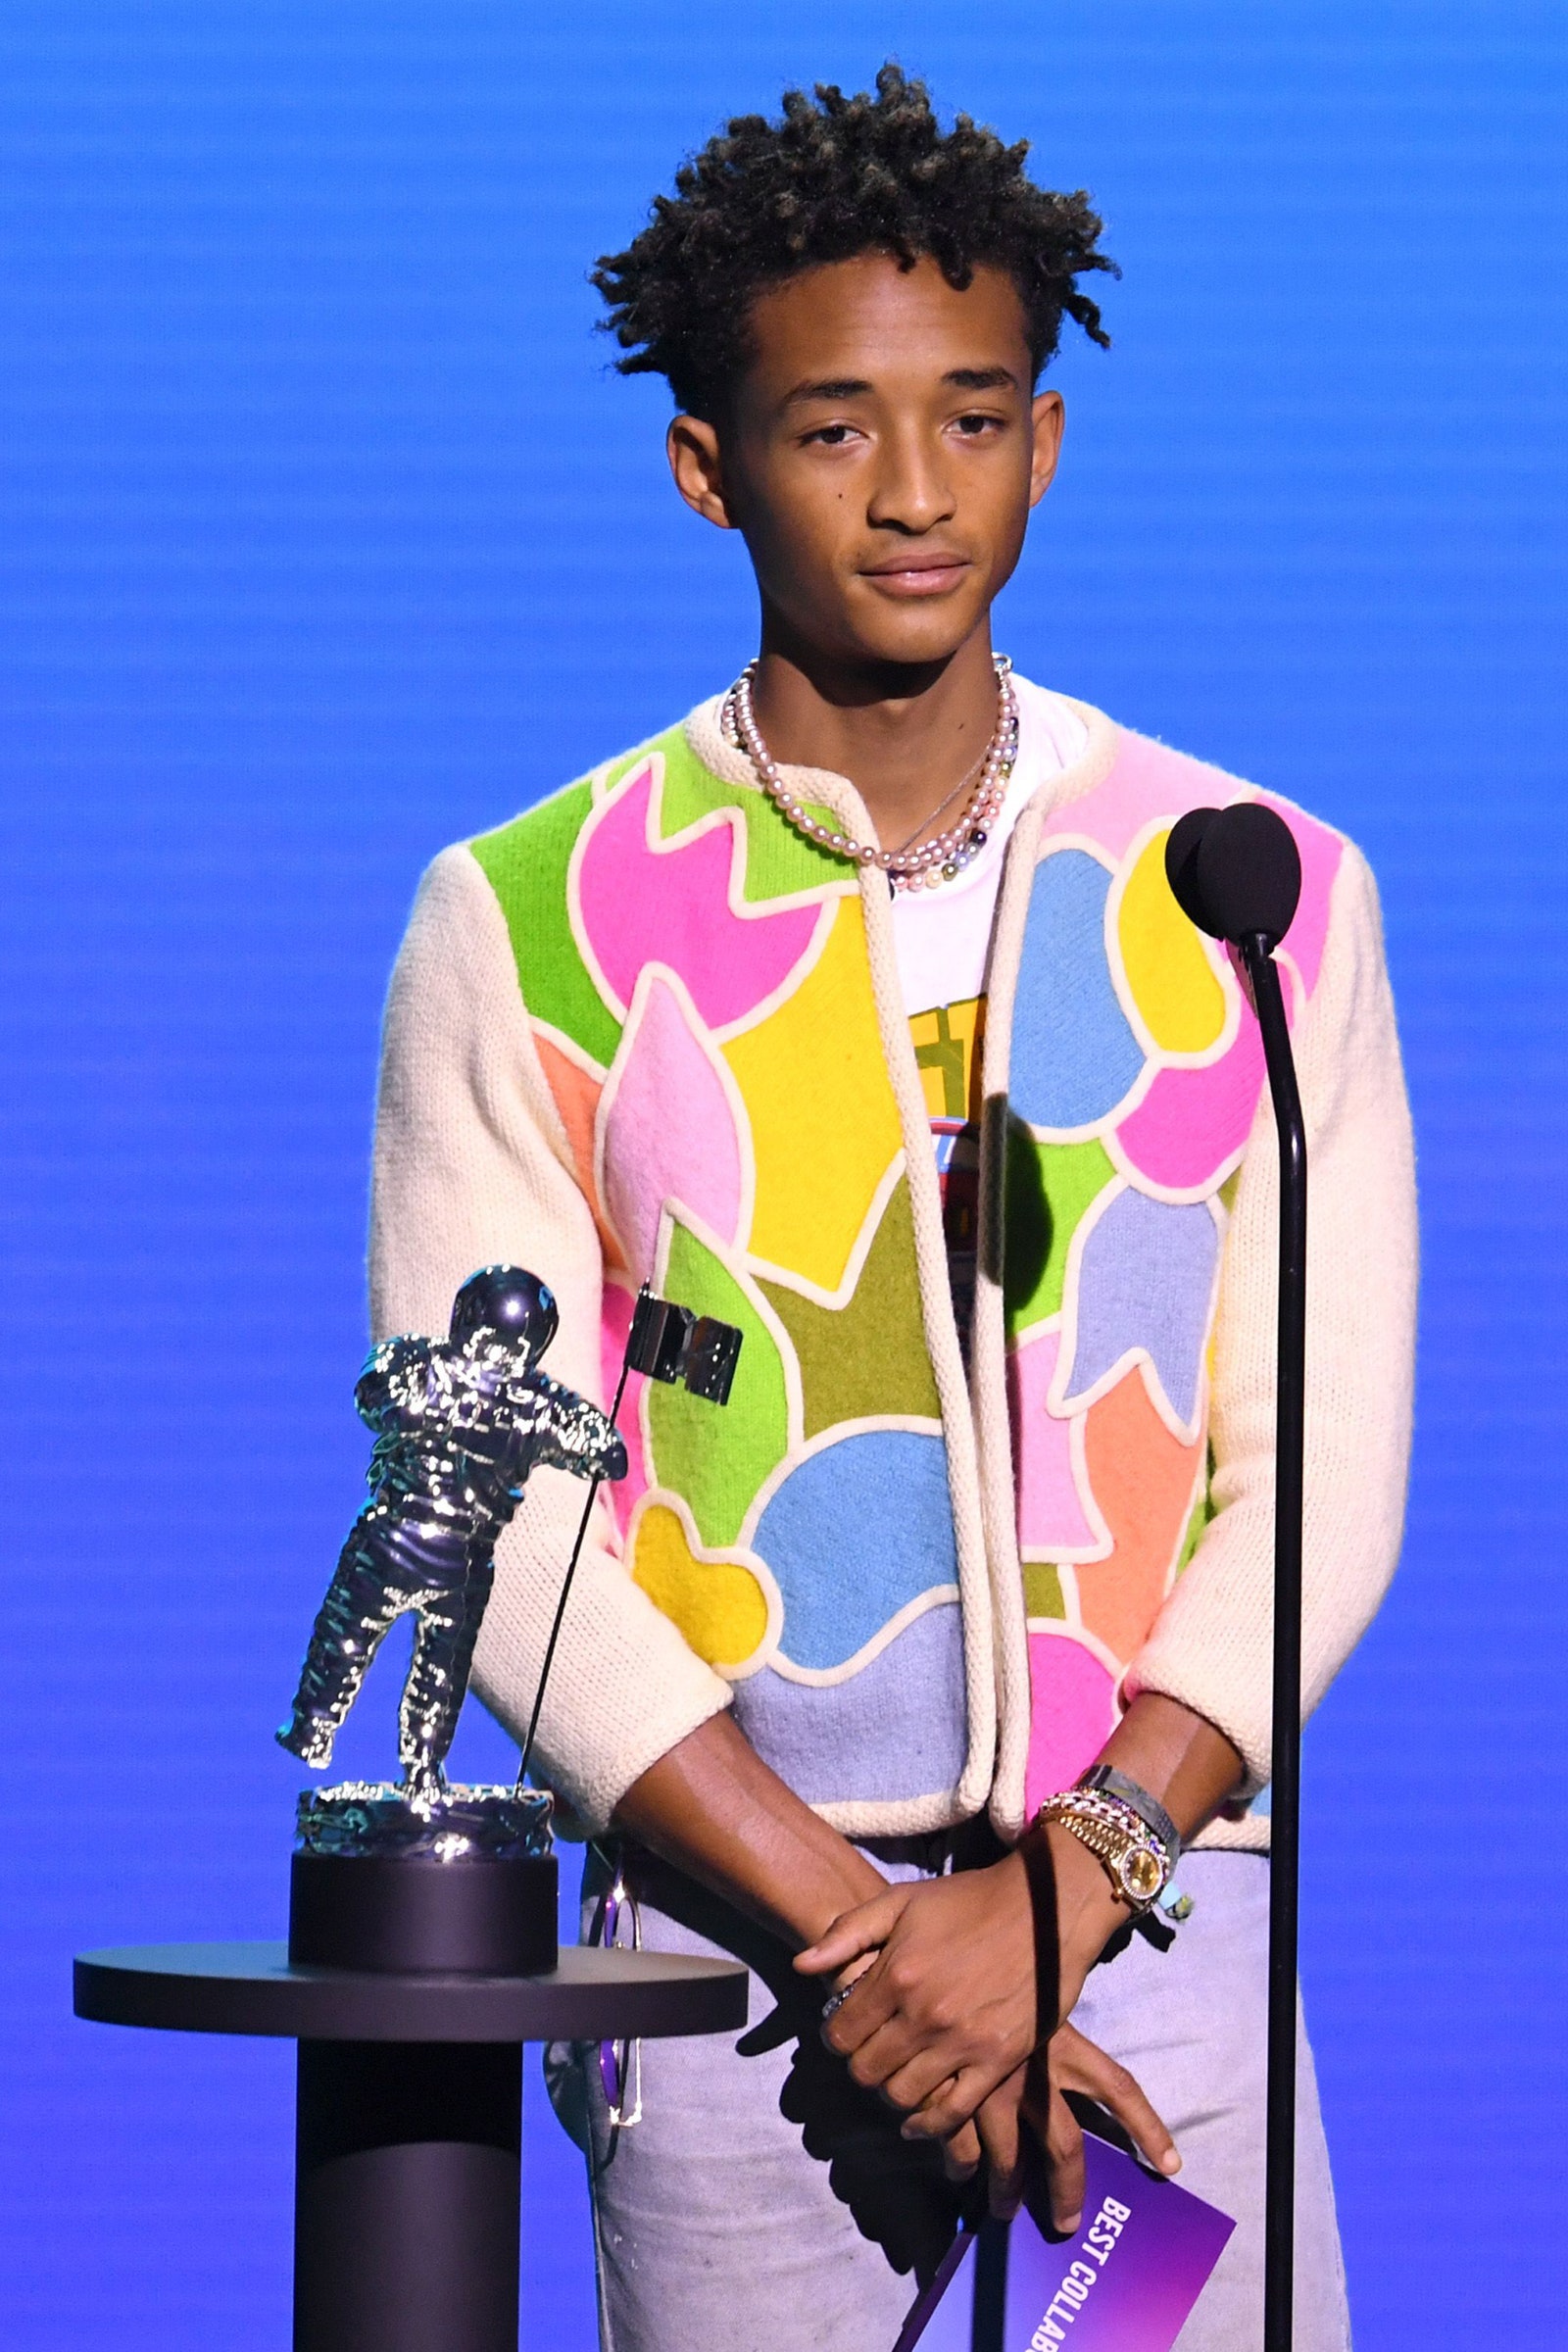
<point>407,2171</point>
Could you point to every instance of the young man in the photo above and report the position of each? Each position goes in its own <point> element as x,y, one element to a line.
<point>856,1009</point>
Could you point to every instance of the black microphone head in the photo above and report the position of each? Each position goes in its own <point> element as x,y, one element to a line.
<point>1181,863</point>
<point>1248,873</point>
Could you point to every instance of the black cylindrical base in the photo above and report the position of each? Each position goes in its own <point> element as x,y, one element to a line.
<point>482,1915</point>
<point>406,2203</point>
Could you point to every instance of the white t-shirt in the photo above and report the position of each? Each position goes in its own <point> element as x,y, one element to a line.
<point>943,941</point>
<point>942,936</point>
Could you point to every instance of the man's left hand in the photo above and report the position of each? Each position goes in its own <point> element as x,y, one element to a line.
<point>946,2010</point>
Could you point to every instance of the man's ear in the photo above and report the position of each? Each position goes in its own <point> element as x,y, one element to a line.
<point>1050,415</point>
<point>692,447</point>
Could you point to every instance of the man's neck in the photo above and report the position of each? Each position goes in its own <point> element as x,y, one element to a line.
<point>903,737</point>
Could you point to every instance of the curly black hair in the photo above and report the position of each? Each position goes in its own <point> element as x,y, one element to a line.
<point>834,177</point>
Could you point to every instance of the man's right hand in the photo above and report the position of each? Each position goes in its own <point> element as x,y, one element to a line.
<point>1034,2095</point>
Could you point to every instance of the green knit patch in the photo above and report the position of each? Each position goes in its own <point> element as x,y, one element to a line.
<point>1041,1590</point>
<point>870,1355</point>
<point>1049,1186</point>
<point>526,865</point>
<point>778,861</point>
<point>718,1456</point>
<point>1203,1510</point>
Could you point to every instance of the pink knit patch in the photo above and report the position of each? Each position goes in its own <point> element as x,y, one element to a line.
<point>1146,781</point>
<point>644,902</point>
<point>1321,852</point>
<point>1190,1122</point>
<point>1072,1713</point>
<point>614,1326</point>
<point>668,1131</point>
<point>1052,1519</point>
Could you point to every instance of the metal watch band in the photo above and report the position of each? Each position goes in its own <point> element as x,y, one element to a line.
<point>1149,1810</point>
<point>1136,1863</point>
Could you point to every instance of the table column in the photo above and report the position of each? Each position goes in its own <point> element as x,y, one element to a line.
<point>408,2182</point>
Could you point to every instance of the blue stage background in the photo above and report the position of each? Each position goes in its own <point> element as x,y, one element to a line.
<point>328,539</point>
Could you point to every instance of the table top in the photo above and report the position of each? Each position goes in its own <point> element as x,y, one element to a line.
<point>251,1988</point>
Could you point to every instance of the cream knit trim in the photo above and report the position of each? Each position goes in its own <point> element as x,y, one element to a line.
<point>988,1353</point>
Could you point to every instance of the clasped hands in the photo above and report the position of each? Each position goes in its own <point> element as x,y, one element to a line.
<point>941,2018</point>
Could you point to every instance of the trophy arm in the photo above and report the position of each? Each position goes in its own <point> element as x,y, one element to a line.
<point>392,1395</point>
<point>565,1431</point>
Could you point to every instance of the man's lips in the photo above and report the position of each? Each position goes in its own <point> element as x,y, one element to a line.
<point>913,574</point>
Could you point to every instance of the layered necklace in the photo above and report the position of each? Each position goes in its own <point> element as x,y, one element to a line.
<point>945,855</point>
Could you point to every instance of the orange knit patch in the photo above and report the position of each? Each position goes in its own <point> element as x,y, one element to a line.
<point>576,1095</point>
<point>1144,1481</point>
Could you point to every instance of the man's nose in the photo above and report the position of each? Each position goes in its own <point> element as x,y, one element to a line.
<point>912,491</point>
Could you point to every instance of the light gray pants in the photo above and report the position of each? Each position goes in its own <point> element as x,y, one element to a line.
<point>763,2204</point>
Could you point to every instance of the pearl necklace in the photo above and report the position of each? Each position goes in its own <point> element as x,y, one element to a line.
<point>942,859</point>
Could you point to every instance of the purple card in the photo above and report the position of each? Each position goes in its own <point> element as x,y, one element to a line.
<point>1124,2282</point>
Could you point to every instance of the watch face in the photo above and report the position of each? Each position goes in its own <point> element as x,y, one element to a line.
<point>1141,1875</point>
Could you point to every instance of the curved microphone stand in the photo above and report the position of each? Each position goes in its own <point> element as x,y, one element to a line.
<point>1235,873</point>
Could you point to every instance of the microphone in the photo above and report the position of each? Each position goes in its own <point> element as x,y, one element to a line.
<point>1236,873</point>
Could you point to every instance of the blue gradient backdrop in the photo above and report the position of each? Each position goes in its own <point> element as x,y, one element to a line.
<point>327,539</point>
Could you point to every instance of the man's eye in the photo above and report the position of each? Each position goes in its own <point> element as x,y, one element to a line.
<point>973,426</point>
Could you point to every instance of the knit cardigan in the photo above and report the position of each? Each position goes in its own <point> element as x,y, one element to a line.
<point>646,1031</point>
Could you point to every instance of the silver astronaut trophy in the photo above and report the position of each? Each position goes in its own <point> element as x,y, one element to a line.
<point>418,1873</point>
<point>460,1424</point>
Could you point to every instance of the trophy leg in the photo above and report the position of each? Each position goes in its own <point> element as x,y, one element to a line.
<point>437,1687</point>
<point>408,2177</point>
<point>361,1608</point>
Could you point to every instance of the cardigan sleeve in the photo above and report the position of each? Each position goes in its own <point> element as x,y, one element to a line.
<point>1212,1645</point>
<point>473,1168</point>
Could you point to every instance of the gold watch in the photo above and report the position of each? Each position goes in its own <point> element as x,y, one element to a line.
<point>1132,1857</point>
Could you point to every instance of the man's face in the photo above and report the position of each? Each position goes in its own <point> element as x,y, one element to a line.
<point>881,456</point>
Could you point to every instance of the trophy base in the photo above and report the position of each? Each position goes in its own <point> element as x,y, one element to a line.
<point>460,1883</point>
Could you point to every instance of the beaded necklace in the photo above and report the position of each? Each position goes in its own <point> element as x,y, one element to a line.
<point>942,859</point>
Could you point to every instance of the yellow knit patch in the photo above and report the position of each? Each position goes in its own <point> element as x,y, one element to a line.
<point>1177,997</point>
<point>718,1606</point>
<point>824,1123</point>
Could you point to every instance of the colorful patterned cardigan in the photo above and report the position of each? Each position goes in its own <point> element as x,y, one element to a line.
<point>645,1031</point>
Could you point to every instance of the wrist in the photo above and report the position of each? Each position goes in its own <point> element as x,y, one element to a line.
<point>1089,1911</point>
<point>826,1894</point>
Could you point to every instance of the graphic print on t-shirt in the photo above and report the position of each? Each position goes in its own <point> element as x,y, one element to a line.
<point>947,1040</point>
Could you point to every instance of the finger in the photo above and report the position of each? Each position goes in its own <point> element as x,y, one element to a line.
<point>868,2004</point>
<point>1065,2163</point>
<point>968,2078</point>
<point>853,1932</point>
<point>914,2083</point>
<point>877,2057</point>
<point>1035,2105</point>
<point>946,2110</point>
<point>960,2155</point>
<point>998,2124</point>
<point>1083,2065</point>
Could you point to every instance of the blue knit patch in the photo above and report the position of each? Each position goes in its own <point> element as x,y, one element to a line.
<point>855,1532</point>
<point>1074,1056</point>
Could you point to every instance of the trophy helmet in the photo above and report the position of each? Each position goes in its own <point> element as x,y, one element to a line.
<point>513,1304</point>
